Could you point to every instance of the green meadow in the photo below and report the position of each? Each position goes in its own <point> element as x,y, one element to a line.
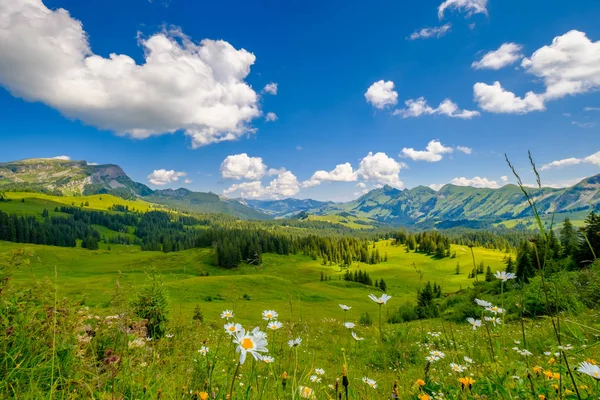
<point>290,283</point>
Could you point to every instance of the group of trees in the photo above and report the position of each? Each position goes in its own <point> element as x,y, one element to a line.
<point>429,242</point>
<point>571,249</point>
<point>360,276</point>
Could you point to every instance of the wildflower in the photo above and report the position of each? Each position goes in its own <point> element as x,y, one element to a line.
<point>274,325</point>
<point>468,360</point>
<point>232,328</point>
<point>370,382</point>
<point>541,397</point>
<point>483,303</point>
<point>269,315</point>
<point>315,379</point>
<point>268,359</point>
<point>566,347</point>
<point>495,309</point>
<point>319,371</point>
<point>136,343</point>
<point>423,396</point>
<point>420,383</point>
<point>355,336</point>
<point>169,335</point>
<point>294,342</point>
<point>456,367</point>
<point>495,321</point>
<point>380,300</point>
<point>349,325</point>
<point>548,374</point>
<point>253,342</point>
<point>547,353</point>
<point>537,370</point>
<point>203,396</point>
<point>589,369</point>
<point>525,353</point>
<point>227,314</point>
<point>306,392</point>
<point>203,350</point>
<point>505,276</point>
<point>431,359</point>
<point>466,382</point>
<point>476,323</point>
<point>345,307</point>
<point>551,361</point>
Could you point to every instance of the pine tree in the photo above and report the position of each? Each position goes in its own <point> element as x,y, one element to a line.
<point>489,277</point>
<point>568,239</point>
<point>382,285</point>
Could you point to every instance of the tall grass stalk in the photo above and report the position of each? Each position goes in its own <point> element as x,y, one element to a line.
<point>542,264</point>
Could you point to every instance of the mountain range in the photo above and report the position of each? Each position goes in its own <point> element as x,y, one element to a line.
<point>420,206</point>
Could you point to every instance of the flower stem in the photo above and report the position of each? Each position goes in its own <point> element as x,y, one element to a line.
<point>233,380</point>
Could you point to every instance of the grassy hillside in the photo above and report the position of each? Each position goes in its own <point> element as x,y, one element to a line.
<point>36,202</point>
<point>91,276</point>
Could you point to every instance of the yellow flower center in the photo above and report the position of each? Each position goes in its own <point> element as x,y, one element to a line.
<point>307,391</point>
<point>596,374</point>
<point>269,315</point>
<point>247,344</point>
<point>232,329</point>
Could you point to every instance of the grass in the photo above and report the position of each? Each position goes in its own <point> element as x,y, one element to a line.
<point>90,276</point>
<point>38,201</point>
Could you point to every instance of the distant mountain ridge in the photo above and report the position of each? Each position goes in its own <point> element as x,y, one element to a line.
<point>420,206</point>
<point>423,206</point>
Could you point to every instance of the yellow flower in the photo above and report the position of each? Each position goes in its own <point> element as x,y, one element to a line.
<point>203,395</point>
<point>424,396</point>
<point>551,361</point>
<point>537,370</point>
<point>556,375</point>
<point>420,382</point>
<point>592,361</point>
<point>548,374</point>
<point>556,388</point>
<point>466,382</point>
<point>542,397</point>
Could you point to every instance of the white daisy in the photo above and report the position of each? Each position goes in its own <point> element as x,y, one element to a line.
<point>355,336</point>
<point>227,314</point>
<point>319,371</point>
<point>505,276</point>
<point>274,325</point>
<point>232,328</point>
<point>268,315</point>
<point>476,323</point>
<point>380,300</point>
<point>483,303</point>
<point>294,342</point>
<point>250,342</point>
<point>589,369</point>
<point>345,307</point>
<point>349,325</point>
<point>203,350</point>
<point>315,379</point>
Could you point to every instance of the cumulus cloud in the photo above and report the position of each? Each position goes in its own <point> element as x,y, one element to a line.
<point>593,159</point>
<point>469,6</point>
<point>341,173</point>
<point>567,67</point>
<point>426,33</point>
<point>434,152</point>
<point>504,178</point>
<point>271,116</point>
<point>64,158</point>
<point>477,182</point>
<point>494,98</point>
<point>591,109</point>
<point>380,168</point>
<point>507,54</point>
<point>381,94</point>
<point>464,149</point>
<point>241,166</point>
<point>284,185</point>
<point>419,107</point>
<point>198,88</point>
<point>162,177</point>
<point>271,88</point>
<point>187,181</point>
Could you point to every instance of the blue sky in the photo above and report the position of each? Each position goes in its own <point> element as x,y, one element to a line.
<point>62,94</point>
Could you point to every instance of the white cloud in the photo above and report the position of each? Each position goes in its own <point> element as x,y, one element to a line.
<point>434,152</point>
<point>584,124</point>
<point>162,177</point>
<point>299,148</point>
<point>591,109</point>
<point>436,186</point>
<point>504,178</point>
<point>507,54</point>
<point>567,67</point>
<point>566,162</point>
<point>271,88</point>
<point>469,6</point>
<point>464,149</point>
<point>381,94</point>
<point>92,163</point>
<point>64,158</point>
<point>240,166</point>
<point>198,88</point>
<point>284,185</point>
<point>494,98</point>
<point>477,182</point>
<point>361,185</point>
<point>187,181</point>
<point>341,173</point>
<point>271,116</point>
<point>380,168</point>
<point>426,33</point>
<point>419,107</point>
